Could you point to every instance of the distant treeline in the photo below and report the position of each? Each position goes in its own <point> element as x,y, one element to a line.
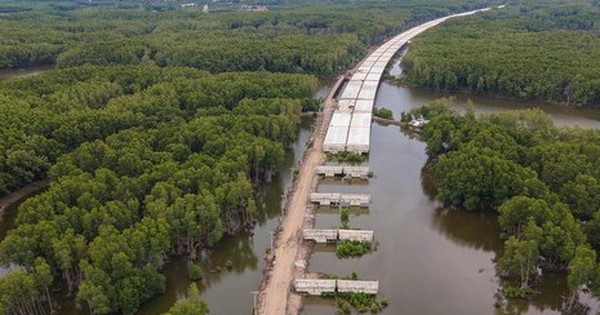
<point>318,39</point>
<point>532,50</point>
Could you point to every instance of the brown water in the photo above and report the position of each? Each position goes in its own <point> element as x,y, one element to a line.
<point>229,291</point>
<point>398,99</point>
<point>429,260</point>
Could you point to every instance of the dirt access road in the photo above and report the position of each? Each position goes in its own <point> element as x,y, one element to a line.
<point>274,295</point>
<point>275,289</point>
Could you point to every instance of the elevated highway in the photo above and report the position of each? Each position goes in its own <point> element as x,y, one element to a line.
<point>347,130</point>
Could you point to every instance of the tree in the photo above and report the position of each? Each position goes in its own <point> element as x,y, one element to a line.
<point>478,178</point>
<point>520,259</point>
<point>516,212</point>
<point>583,272</point>
<point>190,305</point>
<point>581,194</point>
<point>592,229</point>
<point>44,279</point>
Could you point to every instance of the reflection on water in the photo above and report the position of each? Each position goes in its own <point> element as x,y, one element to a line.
<point>469,229</point>
<point>430,260</point>
<point>398,99</point>
<point>227,291</point>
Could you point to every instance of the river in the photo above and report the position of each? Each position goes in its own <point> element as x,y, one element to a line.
<point>429,260</point>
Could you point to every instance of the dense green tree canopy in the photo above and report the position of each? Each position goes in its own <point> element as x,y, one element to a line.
<point>533,50</point>
<point>154,133</point>
<point>175,176</point>
<point>320,38</point>
<point>542,180</point>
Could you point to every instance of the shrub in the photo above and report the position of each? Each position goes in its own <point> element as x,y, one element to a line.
<point>195,272</point>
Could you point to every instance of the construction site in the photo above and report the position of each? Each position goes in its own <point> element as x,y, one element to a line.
<point>344,124</point>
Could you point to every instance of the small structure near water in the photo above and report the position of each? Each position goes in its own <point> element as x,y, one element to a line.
<point>337,199</point>
<point>320,236</point>
<point>351,171</point>
<point>315,286</point>
<point>417,124</point>
<point>332,236</point>
<point>356,235</point>
<point>357,286</point>
<point>318,286</point>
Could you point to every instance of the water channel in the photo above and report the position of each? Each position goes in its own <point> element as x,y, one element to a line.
<point>429,260</point>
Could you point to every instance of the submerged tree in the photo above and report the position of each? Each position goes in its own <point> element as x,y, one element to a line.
<point>520,259</point>
<point>190,304</point>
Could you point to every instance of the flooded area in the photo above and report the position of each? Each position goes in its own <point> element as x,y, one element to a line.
<point>230,291</point>
<point>429,260</point>
<point>400,98</point>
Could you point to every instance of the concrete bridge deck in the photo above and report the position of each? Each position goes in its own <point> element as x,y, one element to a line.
<point>274,297</point>
<point>318,286</point>
<point>360,92</point>
<point>337,199</point>
<point>345,170</point>
<point>333,235</point>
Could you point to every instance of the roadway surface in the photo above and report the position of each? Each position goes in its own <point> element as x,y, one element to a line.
<point>279,275</point>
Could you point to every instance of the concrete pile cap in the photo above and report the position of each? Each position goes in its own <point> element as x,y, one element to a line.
<point>356,168</point>
<point>315,285</point>
<point>370,287</point>
<point>315,282</point>
<point>334,196</point>
<point>310,233</point>
<point>325,168</point>
<point>356,235</point>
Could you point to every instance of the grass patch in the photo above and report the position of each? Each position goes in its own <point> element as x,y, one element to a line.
<point>384,113</point>
<point>347,248</point>
<point>195,272</point>
<point>347,157</point>
<point>361,302</point>
<point>345,218</point>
